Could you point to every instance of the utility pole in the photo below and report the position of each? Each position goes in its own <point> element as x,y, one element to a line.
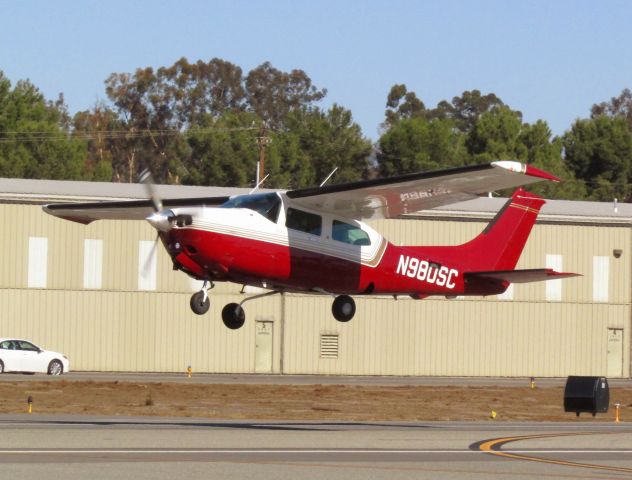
<point>262,141</point>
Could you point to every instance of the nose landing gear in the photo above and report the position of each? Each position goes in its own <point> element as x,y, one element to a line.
<point>200,303</point>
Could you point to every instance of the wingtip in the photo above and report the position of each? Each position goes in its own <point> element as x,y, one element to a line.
<point>514,166</point>
<point>536,172</point>
<point>553,273</point>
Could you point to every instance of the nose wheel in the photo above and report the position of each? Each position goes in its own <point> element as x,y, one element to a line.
<point>343,308</point>
<point>200,302</point>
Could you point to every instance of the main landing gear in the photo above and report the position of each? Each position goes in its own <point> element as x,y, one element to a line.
<point>234,316</point>
<point>343,308</point>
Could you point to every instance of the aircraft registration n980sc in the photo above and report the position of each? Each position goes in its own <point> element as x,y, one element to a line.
<point>314,240</point>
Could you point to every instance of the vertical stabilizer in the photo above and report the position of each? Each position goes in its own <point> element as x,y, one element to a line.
<point>500,245</point>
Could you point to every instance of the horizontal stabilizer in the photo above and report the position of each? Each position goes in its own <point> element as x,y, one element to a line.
<point>521,276</point>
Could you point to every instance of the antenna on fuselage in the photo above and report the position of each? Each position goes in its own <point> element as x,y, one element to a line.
<point>258,185</point>
<point>328,177</point>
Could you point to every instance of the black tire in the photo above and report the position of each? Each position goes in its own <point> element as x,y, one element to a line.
<point>233,316</point>
<point>55,368</point>
<point>343,308</point>
<point>1,366</point>
<point>198,304</point>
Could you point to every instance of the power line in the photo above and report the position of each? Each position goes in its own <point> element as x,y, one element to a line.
<point>27,136</point>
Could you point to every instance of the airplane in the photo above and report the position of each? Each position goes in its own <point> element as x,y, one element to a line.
<point>315,239</point>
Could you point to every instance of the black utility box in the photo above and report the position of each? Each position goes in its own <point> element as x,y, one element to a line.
<point>586,394</point>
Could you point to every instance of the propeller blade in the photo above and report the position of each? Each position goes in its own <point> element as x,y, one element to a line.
<point>147,179</point>
<point>149,260</point>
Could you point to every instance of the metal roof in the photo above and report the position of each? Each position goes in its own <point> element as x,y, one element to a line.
<point>565,211</point>
<point>15,190</point>
<point>46,191</point>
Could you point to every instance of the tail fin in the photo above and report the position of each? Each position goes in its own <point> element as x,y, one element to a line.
<point>500,245</point>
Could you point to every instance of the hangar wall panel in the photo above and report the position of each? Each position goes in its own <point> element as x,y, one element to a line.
<point>461,338</point>
<point>131,331</point>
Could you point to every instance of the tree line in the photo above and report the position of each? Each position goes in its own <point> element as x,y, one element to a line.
<point>203,123</point>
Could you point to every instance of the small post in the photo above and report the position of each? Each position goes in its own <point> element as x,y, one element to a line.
<point>30,404</point>
<point>617,418</point>
<point>492,415</point>
<point>532,382</point>
<point>189,371</point>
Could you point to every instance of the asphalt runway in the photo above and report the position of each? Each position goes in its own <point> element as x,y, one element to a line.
<point>79,447</point>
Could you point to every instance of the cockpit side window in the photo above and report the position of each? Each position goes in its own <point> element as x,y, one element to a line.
<point>303,221</point>
<point>347,233</point>
<point>266,204</point>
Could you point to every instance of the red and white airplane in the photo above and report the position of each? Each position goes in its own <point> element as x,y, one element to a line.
<point>314,240</point>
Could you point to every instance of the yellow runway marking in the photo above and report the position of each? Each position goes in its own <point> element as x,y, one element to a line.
<point>493,447</point>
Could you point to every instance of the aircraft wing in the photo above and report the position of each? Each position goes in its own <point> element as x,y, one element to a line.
<point>522,276</point>
<point>122,210</point>
<point>393,196</point>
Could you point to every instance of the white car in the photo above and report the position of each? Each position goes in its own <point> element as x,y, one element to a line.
<point>23,356</point>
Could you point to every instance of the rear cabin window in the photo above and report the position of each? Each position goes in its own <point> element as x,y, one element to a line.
<point>303,221</point>
<point>267,204</point>
<point>347,233</point>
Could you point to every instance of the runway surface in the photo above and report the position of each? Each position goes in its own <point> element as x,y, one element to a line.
<point>78,447</point>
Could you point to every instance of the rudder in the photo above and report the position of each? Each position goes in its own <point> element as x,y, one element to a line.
<point>500,245</point>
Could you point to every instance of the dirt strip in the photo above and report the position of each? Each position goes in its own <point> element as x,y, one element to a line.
<point>299,402</point>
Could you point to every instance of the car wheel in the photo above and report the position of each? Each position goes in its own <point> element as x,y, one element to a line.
<point>55,368</point>
<point>1,366</point>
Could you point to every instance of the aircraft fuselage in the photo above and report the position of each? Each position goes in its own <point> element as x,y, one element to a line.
<point>323,253</point>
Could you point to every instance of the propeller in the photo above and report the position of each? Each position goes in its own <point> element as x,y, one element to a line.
<point>147,179</point>
<point>146,268</point>
<point>159,220</point>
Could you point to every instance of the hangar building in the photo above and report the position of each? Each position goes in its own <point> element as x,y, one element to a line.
<point>78,289</point>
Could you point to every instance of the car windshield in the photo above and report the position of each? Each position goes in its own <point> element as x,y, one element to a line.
<point>266,204</point>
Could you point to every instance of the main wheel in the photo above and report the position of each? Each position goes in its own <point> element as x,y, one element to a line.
<point>1,366</point>
<point>233,316</point>
<point>343,308</point>
<point>200,305</point>
<point>55,368</point>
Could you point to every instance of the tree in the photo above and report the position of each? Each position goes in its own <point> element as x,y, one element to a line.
<point>273,94</point>
<point>599,152</point>
<point>418,144</point>
<point>402,104</point>
<point>496,136</point>
<point>544,152</point>
<point>223,150</point>
<point>105,157</point>
<point>463,111</point>
<point>35,140</point>
<point>620,106</point>
<point>328,139</point>
<point>154,138</point>
<point>194,90</point>
<point>467,109</point>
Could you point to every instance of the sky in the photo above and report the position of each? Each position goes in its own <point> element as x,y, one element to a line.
<point>551,60</point>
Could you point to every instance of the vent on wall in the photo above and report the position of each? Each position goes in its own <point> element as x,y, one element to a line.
<point>328,345</point>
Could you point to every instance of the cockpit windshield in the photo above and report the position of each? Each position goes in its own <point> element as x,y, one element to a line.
<point>266,204</point>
